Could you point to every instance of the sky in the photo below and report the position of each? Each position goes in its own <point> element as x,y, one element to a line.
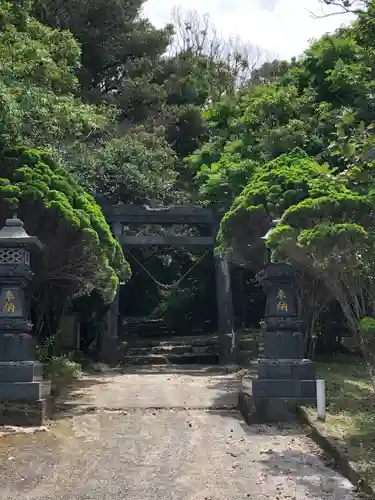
<point>282,28</point>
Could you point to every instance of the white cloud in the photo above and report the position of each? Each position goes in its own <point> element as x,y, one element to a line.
<point>268,4</point>
<point>282,27</point>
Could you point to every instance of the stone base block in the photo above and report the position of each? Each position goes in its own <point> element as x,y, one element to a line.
<point>284,369</point>
<point>283,345</point>
<point>24,414</point>
<point>270,410</point>
<point>24,391</point>
<point>284,389</point>
<point>16,347</point>
<point>21,371</point>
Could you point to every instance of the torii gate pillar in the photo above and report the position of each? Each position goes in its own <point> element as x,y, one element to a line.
<point>225,326</point>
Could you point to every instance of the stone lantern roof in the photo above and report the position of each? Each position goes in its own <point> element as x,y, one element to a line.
<point>13,234</point>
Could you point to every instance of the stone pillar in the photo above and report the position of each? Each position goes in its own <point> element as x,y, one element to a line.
<point>285,379</point>
<point>109,341</point>
<point>23,392</point>
<point>227,336</point>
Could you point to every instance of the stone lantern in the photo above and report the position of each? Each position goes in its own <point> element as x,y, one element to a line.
<point>285,379</point>
<point>22,389</point>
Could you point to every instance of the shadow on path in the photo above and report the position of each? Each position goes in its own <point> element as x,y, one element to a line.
<point>70,401</point>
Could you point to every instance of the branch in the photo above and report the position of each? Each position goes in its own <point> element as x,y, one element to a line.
<point>344,6</point>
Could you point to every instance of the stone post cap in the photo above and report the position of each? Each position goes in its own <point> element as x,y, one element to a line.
<point>14,234</point>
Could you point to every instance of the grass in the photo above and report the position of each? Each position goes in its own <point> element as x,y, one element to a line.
<point>350,411</point>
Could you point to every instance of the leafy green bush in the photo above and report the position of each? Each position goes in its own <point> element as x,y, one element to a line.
<point>275,187</point>
<point>80,253</point>
<point>61,370</point>
<point>46,350</point>
<point>38,82</point>
<point>367,324</point>
<point>80,249</point>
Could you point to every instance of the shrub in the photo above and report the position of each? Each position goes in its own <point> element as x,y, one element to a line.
<point>61,370</point>
<point>80,255</point>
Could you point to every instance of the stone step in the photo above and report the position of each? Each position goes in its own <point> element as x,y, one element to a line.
<point>195,359</point>
<point>201,340</point>
<point>247,344</point>
<point>155,331</point>
<point>172,359</point>
<point>170,349</point>
<point>147,359</point>
<point>150,332</point>
<point>159,332</point>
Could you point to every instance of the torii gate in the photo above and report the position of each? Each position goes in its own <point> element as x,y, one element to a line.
<point>122,215</point>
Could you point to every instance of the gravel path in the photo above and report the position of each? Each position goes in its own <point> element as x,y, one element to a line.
<point>163,435</point>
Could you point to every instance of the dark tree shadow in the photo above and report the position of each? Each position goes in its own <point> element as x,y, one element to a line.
<point>70,402</point>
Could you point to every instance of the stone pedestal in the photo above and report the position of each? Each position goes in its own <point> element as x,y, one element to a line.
<point>23,392</point>
<point>285,379</point>
<point>25,413</point>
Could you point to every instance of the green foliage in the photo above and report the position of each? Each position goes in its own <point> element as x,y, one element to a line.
<point>44,194</point>
<point>225,179</point>
<point>62,371</point>
<point>83,93</point>
<point>271,71</point>
<point>39,91</point>
<point>340,219</point>
<point>38,82</point>
<point>124,65</point>
<point>265,123</point>
<point>131,169</point>
<point>45,351</point>
<point>322,103</point>
<point>367,324</point>
<point>332,237</point>
<point>120,50</point>
<point>273,189</point>
<point>92,84</point>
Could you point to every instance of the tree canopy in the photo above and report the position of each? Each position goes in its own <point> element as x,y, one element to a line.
<point>81,254</point>
<point>297,144</point>
<point>95,99</point>
<point>322,103</point>
<point>272,190</point>
<point>120,111</point>
<point>38,84</point>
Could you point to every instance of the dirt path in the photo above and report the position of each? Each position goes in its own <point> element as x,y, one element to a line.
<point>163,435</point>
